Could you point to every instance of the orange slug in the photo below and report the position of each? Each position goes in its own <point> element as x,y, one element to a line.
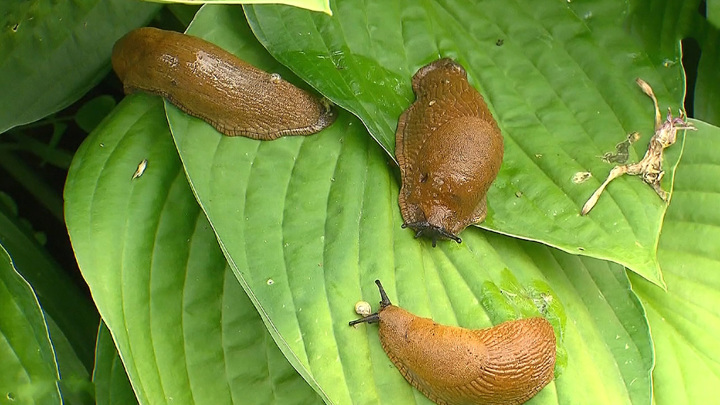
<point>506,364</point>
<point>210,83</point>
<point>449,149</point>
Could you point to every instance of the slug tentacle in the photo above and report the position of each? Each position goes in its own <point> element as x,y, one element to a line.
<point>506,364</point>
<point>207,82</point>
<point>449,149</point>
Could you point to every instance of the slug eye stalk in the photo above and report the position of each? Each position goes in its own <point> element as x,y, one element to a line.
<point>375,317</point>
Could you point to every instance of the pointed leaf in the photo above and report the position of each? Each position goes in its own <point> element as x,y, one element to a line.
<point>62,300</point>
<point>685,319</point>
<point>313,5</point>
<point>111,382</point>
<point>184,328</point>
<point>309,222</point>
<point>29,371</point>
<point>52,52</point>
<point>558,76</point>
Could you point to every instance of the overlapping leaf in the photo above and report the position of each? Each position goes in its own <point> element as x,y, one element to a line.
<point>183,326</point>
<point>51,53</point>
<point>61,299</point>
<point>685,319</point>
<point>29,371</point>
<point>314,5</point>
<point>309,222</point>
<point>558,76</point>
<point>111,382</point>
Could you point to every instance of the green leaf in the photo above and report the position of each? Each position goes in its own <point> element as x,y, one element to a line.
<point>29,372</point>
<point>309,222</point>
<point>52,52</point>
<point>76,386</point>
<point>183,326</point>
<point>111,382</point>
<point>62,300</point>
<point>713,12</point>
<point>685,319</point>
<point>561,85</point>
<point>707,88</point>
<point>23,173</point>
<point>91,113</point>
<point>312,5</point>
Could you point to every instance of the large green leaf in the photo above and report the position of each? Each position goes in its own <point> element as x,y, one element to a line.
<point>558,76</point>
<point>311,225</point>
<point>309,222</point>
<point>184,328</point>
<point>52,52</point>
<point>29,372</point>
<point>685,319</point>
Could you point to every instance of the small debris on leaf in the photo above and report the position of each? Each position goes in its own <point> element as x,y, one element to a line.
<point>621,150</point>
<point>140,169</point>
<point>650,166</point>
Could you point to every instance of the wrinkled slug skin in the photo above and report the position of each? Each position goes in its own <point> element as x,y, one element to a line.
<point>506,364</point>
<point>449,149</point>
<point>208,82</point>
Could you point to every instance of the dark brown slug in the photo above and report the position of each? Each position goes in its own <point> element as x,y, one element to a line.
<point>210,83</point>
<point>506,364</point>
<point>449,149</point>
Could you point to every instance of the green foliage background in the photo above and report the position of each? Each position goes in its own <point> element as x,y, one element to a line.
<point>228,271</point>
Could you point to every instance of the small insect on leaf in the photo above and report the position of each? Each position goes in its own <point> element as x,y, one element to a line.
<point>506,364</point>
<point>140,169</point>
<point>650,166</point>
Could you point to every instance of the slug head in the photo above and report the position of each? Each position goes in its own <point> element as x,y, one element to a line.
<point>375,317</point>
<point>431,231</point>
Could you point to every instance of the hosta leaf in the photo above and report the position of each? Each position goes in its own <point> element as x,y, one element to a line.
<point>707,87</point>
<point>61,299</point>
<point>183,326</point>
<point>558,76</point>
<point>52,52</point>
<point>29,371</point>
<point>111,382</point>
<point>309,222</point>
<point>313,5</point>
<point>685,319</point>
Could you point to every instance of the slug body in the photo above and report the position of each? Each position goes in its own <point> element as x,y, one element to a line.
<point>449,149</point>
<point>506,364</point>
<point>210,83</point>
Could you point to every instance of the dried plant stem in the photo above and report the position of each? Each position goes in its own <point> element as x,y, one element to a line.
<point>650,166</point>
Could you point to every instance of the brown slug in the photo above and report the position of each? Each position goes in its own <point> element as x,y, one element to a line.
<point>210,83</point>
<point>449,149</point>
<point>506,364</point>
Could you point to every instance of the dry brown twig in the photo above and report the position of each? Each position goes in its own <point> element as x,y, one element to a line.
<point>650,166</point>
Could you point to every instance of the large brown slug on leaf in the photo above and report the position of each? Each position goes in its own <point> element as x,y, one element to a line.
<point>449,149</point>
<point>506,364</point>
<point>210,83</point>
